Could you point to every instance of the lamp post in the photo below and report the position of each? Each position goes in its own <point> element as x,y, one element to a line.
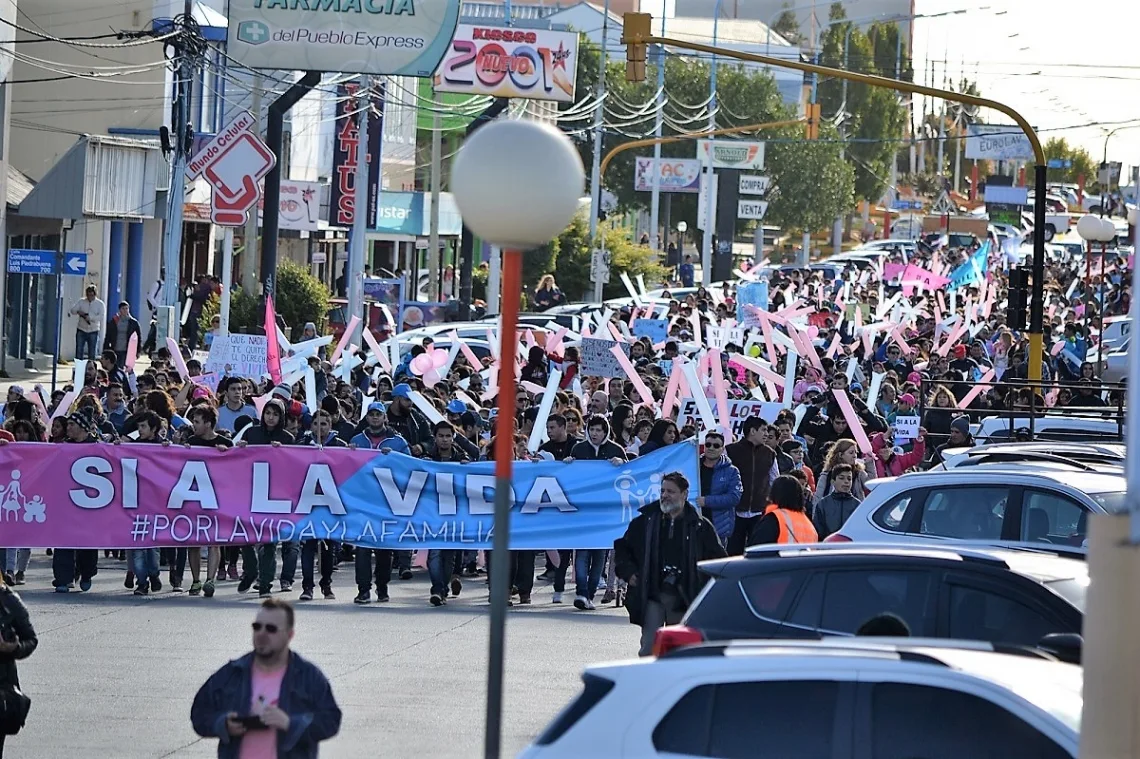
<point>1095,229</point>
<point>517,185</point>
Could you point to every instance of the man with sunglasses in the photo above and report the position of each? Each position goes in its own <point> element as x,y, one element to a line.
<point>270,702</point>
<point>721,487</point>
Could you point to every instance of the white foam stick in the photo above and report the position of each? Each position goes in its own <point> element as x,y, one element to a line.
<point>310,388</point>
<point>430,411</point>
<point>630,289</point>
<point>538,434</point>
<point>393,353</point>
<point>186,310</point>
<point>851,366</point>
<point>873,392</point>
<point>800,411</point>
<point>576,322</point>
<point>373,347</point>
<point>493,343</point>
<point>456,347</point>
<point>885,307</point>
<point>604,319</point>
<point>298,374</point>
<point>464,396</point>
<point>641,283</point>
<point>80,373</point>
<point>286,346</point>
<point>953,301</point>
<point>387,316</point>
<point>310,347</point>
<point>689,369</point>
<point>790,377</point>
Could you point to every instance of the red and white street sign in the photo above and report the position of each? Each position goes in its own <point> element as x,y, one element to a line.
<point>234,163</point>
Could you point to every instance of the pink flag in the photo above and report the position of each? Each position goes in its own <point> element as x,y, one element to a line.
<point>132,352</point>
<point>272,349</point>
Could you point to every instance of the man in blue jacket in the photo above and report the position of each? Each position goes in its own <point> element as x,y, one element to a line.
<point>721,487</point>
<point>270,702</point>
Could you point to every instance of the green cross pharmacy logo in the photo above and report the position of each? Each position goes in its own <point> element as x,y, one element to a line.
<point>253,32</point>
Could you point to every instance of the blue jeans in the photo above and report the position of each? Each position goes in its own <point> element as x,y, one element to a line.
<point>144,563</point>
<point>16,559</point>
<point>588,567</point>
<point>442,567</point>
<point>289,553</point>
<point>86,345</point>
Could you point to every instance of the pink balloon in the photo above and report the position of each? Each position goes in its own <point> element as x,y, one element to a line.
<point>813,332</point>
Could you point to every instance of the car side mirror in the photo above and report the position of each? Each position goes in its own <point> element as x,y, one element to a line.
<point>1065,646</point>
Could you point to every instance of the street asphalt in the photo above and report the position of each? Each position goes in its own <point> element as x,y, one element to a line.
<point>115,674</point>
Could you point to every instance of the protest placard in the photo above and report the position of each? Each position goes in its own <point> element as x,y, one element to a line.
<point>597,360</point>
<point>721,337</point>
<point>738,411</point>
<point>655,329</point>
<point>906,428</point>
<point>238,356</point>
<point>751,294</point>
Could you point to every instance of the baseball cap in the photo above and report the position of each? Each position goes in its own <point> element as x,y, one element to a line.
<point>402,390</point>
<point>17,389</point>
<point>377,406</point>
<point>906,398</point>
<point>456,406</point>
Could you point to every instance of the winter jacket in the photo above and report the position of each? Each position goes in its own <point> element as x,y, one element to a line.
<point>823,487</point>
<point>720,504</point>
<point>17,625</point>
<point>305,696</point>
<point>389,440</point>
<point>755,464</point>
<point>832,511</point>
<point>585,451</point>
<point>636,553</point>
<point>898,463</point>
<point>412,426</point>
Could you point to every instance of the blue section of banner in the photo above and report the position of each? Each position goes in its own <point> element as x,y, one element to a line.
<point>971,271</point>
<point>400,502</point>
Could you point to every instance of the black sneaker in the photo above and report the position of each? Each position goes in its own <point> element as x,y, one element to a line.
<point>244,584</point>
<point>383,599</point>
<point>405,574</point>
<point>363,597</point>
<point>176,589</point>
<point>328,594</point>
<point>286,586</point>
<point>155,583</point>
<point>436,599</point>
<point>128,581</point>
<point>306,595</point>
<point>141,590</point>
<point>265,593</point>
<point>456,586</point>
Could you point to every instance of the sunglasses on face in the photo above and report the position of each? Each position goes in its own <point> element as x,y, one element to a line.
<point>714,445</point>
<point>269,628</point>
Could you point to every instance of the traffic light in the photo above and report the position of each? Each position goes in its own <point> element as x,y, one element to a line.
<point>1015,310</point>
<point>635,28</point>
<point>812,114</point>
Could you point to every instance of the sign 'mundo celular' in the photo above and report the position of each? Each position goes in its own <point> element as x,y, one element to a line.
<point>395,37</point>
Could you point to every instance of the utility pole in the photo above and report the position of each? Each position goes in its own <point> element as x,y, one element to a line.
<point>595,167</point>
<point>655,201</point>
<point>433,235</point>
<point>180,144</point>
<point>252,224</point>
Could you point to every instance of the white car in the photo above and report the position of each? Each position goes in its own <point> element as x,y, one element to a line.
<point>1098,457</point>
<point>1074,427</point>
<point>835,698</point>
<point>1015,502</point>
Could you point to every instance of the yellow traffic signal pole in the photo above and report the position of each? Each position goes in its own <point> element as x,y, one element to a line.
<point>636,34</point>
<point>682,137</point>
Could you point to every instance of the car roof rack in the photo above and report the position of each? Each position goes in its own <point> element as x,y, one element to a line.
<point>962,549</point>
<point>1014,456</point>
<point>1049,549</point>
<point>903,647</point>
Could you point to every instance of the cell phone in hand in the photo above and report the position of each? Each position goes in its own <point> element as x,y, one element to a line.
<point>252,722</point>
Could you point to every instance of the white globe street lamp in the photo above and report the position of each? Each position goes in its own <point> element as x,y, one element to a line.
<point>517,185</point>
<point>1095,229</point>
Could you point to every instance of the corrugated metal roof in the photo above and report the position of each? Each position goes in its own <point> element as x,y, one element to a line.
<point>19,185</point>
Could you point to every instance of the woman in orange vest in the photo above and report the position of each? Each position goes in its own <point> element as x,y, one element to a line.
<point>784,520</point>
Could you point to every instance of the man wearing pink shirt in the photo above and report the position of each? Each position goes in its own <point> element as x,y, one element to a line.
<point>270,703</point>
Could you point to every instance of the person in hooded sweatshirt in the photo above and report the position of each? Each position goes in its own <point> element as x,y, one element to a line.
<point>259,563</point>
<point>833,510</point>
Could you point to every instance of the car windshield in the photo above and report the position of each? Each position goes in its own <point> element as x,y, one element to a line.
<point>1072,589</point>
<point>1112,503</point>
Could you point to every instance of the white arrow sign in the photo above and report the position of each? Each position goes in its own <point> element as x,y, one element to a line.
<point>754,184</point>
<point>751,209</point>
<point>74,265</point>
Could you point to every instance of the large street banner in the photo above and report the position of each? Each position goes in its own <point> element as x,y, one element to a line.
<point>138,496</point>
<point>510,63</point>
<point>394,37</point>
<point>989,142</point>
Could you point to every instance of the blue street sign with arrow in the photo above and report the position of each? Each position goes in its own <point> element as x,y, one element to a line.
<point>75,263</point>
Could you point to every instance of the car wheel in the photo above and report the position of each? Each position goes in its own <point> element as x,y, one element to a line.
<point>1050,232</point>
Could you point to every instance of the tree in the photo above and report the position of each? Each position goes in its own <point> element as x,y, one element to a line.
<point>1082,163</point>
<point>788,26</point>
<point>871,118</point>
<point>572,270</point>
<point>814,184</point>
<point>301,298</point>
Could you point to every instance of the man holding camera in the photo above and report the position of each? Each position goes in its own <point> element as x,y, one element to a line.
<point>270,702</point>
<point>658,557</point>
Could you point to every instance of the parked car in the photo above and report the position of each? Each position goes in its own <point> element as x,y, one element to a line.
<point>1073,428</point>
<point>1015,503</point>
<point>1088,456</point>
<point>1009,595</point>
<point>864,698</point>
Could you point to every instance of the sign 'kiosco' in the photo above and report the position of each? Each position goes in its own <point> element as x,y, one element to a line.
<point>396,37</point>
<point>510,63</point>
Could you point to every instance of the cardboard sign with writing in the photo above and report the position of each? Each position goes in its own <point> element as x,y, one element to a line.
<point>738,411</point>
<point>720,337</point>
<point>906,428</point>
<point>598,361</point>
<point>238,356</point>
<point>655,329</point>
